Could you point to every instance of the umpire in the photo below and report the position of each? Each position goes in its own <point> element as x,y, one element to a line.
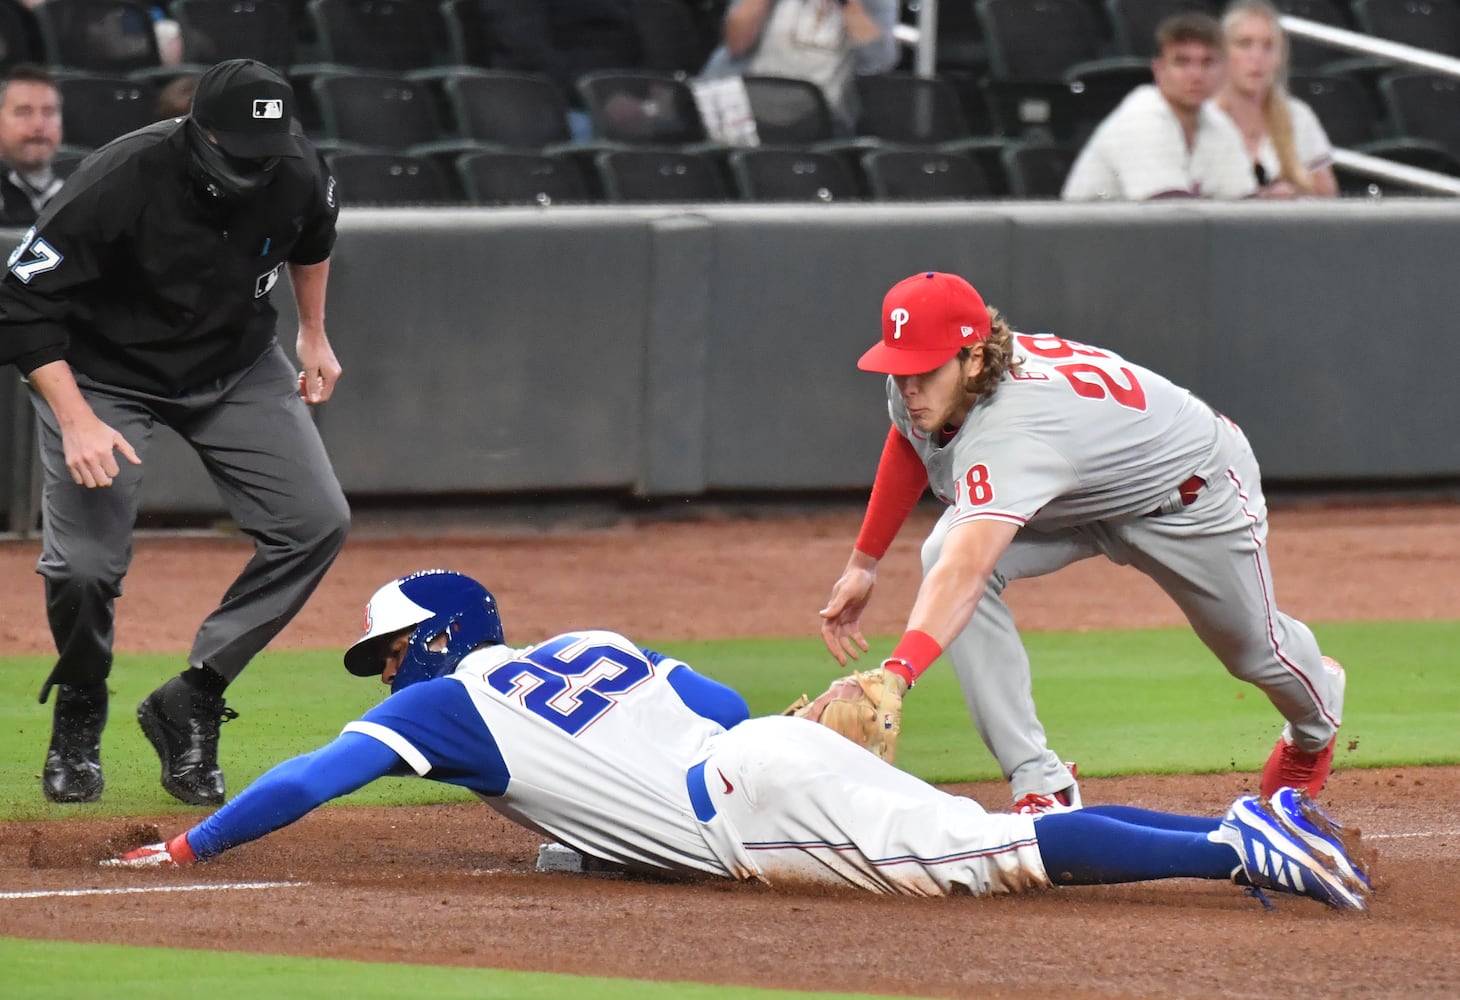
<point>140,297</point>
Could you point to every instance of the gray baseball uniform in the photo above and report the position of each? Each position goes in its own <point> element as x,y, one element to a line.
<point>1090,454</point>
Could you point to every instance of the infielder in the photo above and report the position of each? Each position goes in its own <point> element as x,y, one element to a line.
<point>631,758</point>
<point>1048,451</point>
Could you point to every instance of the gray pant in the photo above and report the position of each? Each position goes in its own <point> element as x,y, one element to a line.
<point>259,445</point>
<point>1210,557</point>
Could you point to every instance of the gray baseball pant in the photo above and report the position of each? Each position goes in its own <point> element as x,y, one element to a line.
<point>1210,557</point>
<point>259,445</point>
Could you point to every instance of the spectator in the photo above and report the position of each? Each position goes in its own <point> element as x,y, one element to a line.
<point>176,98</point>
<point>563,39</point>
<point>1289,151</point>
<point>824,41</point>
<point>1168,139</point>
<point>114,32</point>
<point>30,132</point>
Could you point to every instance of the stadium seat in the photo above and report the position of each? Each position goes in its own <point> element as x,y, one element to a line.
<point>1038,39</point>
<point>789,112</point>
<point>517,178</point>
<point>97,36</point>
<point>1036,169</point>
<point>923,175</point>
<point>1432,25</point>
<point>1034,109</point>
<point>1305,55</point>
<point>1342,105</point>
<point>641,108</point>
<point>1133,22</point>
<point>768,174</point>
<point>1353,121</point>
<point>20,36</point>
<point>241,29</point>
<point>659,175</point>
<point>389,179</point>
<point>1099,89</point>
<point>469,29</point>
<point>518,110</point>
<point>1424,106</point>
<point>390,35</point>
<point>376,110</point>
<point>904,109</point>
<point>100,108</point>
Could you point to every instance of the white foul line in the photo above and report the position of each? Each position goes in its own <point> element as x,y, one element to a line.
<point>1405,836</point>
<point>215,887</point>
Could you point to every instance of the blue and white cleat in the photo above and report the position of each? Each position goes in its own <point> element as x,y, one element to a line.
<point>1272,858</point>
<point>1306,820</point>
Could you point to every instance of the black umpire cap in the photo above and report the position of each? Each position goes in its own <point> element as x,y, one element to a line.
<point>248,108</point>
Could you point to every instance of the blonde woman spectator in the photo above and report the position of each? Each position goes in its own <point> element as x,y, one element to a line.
<point>1290,152</point>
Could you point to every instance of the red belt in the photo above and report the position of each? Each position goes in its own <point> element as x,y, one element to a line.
<point>1189,491</point>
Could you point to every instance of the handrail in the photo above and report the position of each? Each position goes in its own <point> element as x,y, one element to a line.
<point>1380,48</point>
<point>1399,173</point>
<point>922,38</point>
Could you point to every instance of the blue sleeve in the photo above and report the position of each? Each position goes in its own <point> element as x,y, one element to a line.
<point>289,790</point>
<point>702,696</point>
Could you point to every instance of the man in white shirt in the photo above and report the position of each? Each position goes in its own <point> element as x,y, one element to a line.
<point>1168,139</point>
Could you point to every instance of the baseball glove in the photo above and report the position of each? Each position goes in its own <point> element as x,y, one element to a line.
<point>865,707</point>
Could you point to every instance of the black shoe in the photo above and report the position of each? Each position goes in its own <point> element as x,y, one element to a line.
<point>182,724</point>
<point>73,762</point>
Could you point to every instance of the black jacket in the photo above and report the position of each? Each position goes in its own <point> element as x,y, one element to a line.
<point>129,278</point>
<point>18,199</point>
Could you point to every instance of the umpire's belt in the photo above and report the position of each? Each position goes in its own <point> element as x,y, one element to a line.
<point>1183,496</point>
<point>699,795</point>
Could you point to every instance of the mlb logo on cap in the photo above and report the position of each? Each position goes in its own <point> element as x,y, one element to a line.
<point>268,109</point>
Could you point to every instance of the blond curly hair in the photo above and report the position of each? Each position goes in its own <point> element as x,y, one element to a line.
<point>998,356</point>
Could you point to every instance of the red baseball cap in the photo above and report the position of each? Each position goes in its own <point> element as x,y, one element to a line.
<point>926,320</point>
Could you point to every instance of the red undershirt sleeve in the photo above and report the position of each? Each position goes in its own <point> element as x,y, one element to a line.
<point>901,480</point>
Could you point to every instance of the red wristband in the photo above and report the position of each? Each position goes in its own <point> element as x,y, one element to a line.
<point>181,851</point>
<point>915,652</point>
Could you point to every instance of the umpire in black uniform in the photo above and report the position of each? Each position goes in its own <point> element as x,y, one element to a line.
<point>141,296</point>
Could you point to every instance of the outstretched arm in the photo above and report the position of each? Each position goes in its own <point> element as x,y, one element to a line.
<point>949,593</point>
<point>282,795</point>
<point>901,481</point>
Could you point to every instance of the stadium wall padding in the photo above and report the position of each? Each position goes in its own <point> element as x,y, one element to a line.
<point>673,351</point>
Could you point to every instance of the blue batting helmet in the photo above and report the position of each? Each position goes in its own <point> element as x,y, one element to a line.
<point>431,603</point>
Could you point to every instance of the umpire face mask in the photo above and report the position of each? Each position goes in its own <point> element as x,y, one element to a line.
<point>222,177</point>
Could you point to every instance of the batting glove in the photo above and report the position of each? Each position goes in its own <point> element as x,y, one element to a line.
<point>176,853</point>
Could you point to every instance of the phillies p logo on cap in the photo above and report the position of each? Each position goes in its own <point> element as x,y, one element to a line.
<point>268,109</point>
<point>926,320</point>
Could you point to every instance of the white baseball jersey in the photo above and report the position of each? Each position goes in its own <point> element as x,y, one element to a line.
<point>1140,151</point>
<point>1079,434</point>
<point>588,740</point>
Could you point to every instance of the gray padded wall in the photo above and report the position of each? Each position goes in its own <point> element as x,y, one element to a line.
<point>668,351</point>
<point>487,350</point>
<point>1338,337</point>
<point>1117,276</point>
<point>795,300</point>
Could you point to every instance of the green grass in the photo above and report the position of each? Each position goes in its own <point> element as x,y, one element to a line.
<point>29,970</point>
<point>1119,702</point>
